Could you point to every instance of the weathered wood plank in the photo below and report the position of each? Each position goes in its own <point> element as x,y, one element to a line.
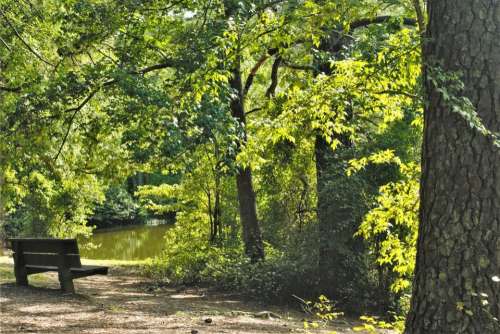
<point>84,271</point>
<point>44,245</point>
<point>42,259</point>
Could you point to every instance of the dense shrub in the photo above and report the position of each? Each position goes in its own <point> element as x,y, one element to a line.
<point>119,208</point>
<point>189,258</point>
<point>277,279</point>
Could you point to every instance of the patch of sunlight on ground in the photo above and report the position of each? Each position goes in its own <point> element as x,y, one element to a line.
<point>185,296</point>
<point>113,262</point>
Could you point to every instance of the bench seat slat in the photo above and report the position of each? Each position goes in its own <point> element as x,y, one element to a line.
<point>77,272</point>
<point>89,270</point>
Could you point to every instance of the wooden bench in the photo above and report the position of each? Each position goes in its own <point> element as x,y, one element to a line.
<point>32,256</point>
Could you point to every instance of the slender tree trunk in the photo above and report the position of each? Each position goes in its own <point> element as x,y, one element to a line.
<point>216,218</point>
<point>2,206</point>
<point>215,214</point>
<point>459,235</point>
<point>210,216</point>
<point>252,236</point>
<point>217,209</point>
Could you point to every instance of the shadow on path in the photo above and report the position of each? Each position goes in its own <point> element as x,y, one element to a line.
<point>128,304</point>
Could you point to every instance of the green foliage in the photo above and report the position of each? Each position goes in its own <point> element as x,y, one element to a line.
<point>92,92</point>
<point>373,325</point>
<point>391,227</point>
<point>324,309</point>
<point>228,269</point>
<point>119,207</point>
<point>52,208</point>
<point>275,279</point>
<point>186,251</point>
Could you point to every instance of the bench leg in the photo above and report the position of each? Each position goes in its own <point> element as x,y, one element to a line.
<point>21,276</point>
<point>66,281</point>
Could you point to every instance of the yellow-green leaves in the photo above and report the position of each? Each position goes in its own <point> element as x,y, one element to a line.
<point>372,325</point>
<point>382,157</point>
<point>391,226</point>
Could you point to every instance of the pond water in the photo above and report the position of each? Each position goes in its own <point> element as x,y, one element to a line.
<point>136,242</point>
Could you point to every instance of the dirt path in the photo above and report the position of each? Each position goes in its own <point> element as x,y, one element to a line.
<point>126,304</point>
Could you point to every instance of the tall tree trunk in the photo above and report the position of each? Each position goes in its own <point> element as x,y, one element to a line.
<point>340,261</point>
<point>340,254</point>
<point>459,234</point>
<point>252,237</point>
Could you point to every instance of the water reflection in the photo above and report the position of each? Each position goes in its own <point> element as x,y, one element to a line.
<point>126,243</point>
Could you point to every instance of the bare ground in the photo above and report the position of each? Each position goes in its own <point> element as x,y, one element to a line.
<point>127,304</point>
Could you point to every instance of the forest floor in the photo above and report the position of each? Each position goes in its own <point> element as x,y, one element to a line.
<point>126,303</point>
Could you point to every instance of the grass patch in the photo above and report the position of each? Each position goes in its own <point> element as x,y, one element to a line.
<point>7,275</point>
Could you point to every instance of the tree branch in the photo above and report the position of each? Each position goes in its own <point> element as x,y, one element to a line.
<point>253,72</point>
<point>420,16</point>
<point>274,77</point>
<point>253,110</point>
<point>380,19</point>
<point>77,109</point>
<point>165,64</point>
<point>10,89</point>
<point>299,67</point>
<point>18,35</point>
<point>398,92</point>
<point>144,70</point>
<point>5,43</point>
<point>363,23</point>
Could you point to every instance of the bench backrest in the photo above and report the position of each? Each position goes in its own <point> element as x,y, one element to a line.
<point>45,252</point>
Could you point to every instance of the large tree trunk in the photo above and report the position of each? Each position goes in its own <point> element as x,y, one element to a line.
<point>252,236</point>
<point>459,234</point>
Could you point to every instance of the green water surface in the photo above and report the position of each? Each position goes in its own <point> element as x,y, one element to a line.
<point>137,242</point>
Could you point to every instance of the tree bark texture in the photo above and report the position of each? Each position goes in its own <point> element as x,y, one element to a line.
<point>459,234</point>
